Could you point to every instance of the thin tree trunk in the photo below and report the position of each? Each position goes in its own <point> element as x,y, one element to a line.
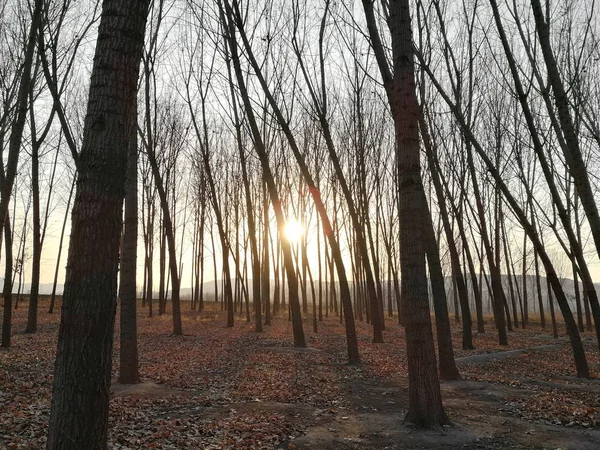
<point>7,178</point>
<point>572,151</point>
<point>351,339</point>
<point>7,288</point>
<point>575,338</point>
<point>128,356</point>
<point>457,276</point>
<point>266,270</point>
<point>60,246</point>
<point>299,339</point>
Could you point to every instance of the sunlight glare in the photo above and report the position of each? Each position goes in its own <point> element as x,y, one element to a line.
<point>293,230</point>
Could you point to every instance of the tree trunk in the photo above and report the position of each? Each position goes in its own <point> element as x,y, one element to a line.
<point>351,339</point>
<point>457,276</point>
<point>571,326</point>
<point>79,408</point>
<point>128,357</point>
<point>266,271</point>
<point>32,311</point>
<point>60,246</point>
<point>572,151</point>
<point>7,288</point>
<point>170,238</point>
<point>425,400</point>
<point>448,370</point>
<point>16,136</point>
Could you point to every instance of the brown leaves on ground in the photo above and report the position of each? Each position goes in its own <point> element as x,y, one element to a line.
<point>234,388</point>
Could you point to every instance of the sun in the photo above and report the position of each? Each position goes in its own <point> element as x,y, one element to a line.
<point>293,230</point>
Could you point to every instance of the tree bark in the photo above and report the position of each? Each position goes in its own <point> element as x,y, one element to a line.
<point>425,400</point>
<point>128,357</point>
<point>79,408</point>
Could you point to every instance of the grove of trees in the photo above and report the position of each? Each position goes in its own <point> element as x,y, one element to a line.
<point>440,157</point>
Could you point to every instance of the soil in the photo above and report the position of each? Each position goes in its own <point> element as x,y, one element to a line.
<point>374,412</point>
<point>218,387</point>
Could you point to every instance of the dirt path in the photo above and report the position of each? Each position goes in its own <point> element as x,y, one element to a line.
<point>482,415</point>
<point>486,357</point>
<point>481,420</point>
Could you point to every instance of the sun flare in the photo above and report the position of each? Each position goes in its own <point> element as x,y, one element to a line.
<point>293,230</point>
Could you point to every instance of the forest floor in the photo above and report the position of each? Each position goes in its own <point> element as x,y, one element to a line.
<point>217,387</point>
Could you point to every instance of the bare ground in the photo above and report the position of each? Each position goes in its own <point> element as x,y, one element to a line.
<point>221,388</point>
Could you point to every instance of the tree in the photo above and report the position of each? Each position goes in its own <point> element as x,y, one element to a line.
<point>230,26</point>
<point>128,357</point>
<point>572,152</point>
<point>571,326</point>
<point>79,408</point>
<point>319,106</point>
<point>314,191</point>
<point>425,400</point>
<point>7,178</point>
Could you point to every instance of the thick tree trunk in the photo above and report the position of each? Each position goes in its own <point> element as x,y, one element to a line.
<point>79,408</point>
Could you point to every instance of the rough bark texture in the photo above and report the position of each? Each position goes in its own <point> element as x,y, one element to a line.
<point>79,409</point>
<point>128,357</point>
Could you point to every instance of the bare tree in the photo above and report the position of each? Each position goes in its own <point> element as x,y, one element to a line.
<point>7,176</point>
<point>425,400</point>
<point>79,409</point>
